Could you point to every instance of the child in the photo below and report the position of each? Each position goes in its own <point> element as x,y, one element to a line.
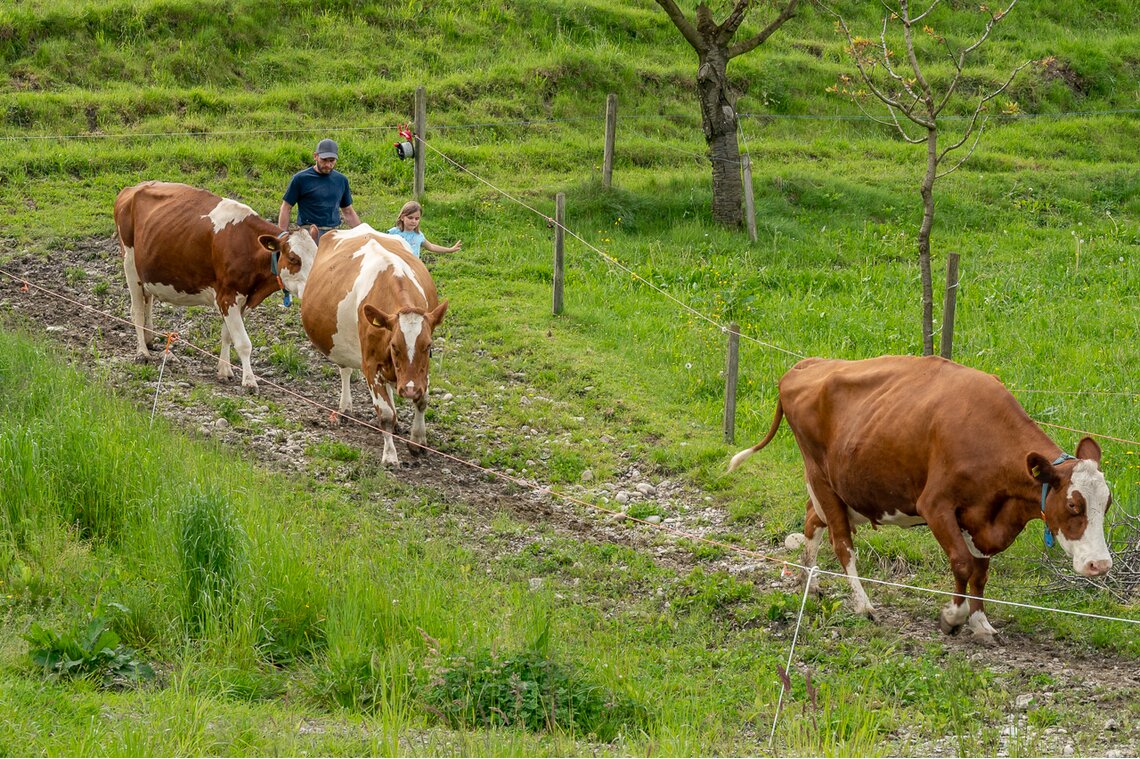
<point>408,227</point>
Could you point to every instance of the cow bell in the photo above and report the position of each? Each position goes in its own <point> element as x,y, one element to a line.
<point>405,150</point>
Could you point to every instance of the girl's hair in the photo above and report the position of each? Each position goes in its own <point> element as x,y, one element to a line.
<point>410,207</point>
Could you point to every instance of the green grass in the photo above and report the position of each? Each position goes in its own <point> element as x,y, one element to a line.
<point>267,602</point>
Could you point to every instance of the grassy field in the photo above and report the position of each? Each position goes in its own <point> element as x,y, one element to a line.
<point>288,615</point>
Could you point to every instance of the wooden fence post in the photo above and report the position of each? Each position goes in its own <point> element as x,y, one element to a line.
<point>749,200</point>
<point>559,273</point>
<point>730,371</point>
<point>949,302</point>
<point>421,132</point>
<point>611,129</point>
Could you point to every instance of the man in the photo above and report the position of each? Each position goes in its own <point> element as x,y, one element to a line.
<point>320,193</point>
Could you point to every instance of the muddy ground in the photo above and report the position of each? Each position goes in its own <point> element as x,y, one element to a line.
<point>90,274</point>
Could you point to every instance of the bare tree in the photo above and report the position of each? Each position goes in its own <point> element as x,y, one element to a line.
<point>908,92</point>
<point>715,48</point>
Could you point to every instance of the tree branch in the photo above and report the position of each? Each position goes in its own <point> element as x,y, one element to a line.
<point>927,12</point>
<point>994,18</point>
<point>966,157</point>
<point>734,20</point>
<point>891,103</point>
<point>978,110</point>
<point>890,69</point>
<point>751,44</point>
<point>688,31</point>
<point>927,97</point>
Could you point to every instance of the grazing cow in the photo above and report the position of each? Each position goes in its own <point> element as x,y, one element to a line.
<point>905,440</point>
<point>190,247</point>
<point>371,305</point>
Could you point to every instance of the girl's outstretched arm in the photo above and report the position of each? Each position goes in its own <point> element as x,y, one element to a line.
<point>432,247</point>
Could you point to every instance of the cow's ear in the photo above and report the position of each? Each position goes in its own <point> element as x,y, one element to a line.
<point>269,242</point>
<point>313,231</point>
<point>1088,449</point>
<point>378,318</point>
<point>1041,469</point>
<point>436,316</point>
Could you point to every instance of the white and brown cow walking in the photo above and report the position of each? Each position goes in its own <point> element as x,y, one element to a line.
<point>906,440</point>
<point>190,247</point>
<point>371,305</point>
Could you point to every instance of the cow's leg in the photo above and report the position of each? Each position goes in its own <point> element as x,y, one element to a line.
<point>139,300</point>
<point>828,505</point>
<point>395,417</point>
<point>813,536</point>
<point>382,399</point>
<point>241,343</point>
<point>944,526</point>
<point>148,309</point>
<point>979,625</point>
<point>225,368</point>
<point>419,428</point>
<point>345,389</point>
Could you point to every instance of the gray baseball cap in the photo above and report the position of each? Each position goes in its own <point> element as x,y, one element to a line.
<point>326,149</point>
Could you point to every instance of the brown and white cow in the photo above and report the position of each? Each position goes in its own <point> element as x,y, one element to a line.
<point>190,247</point>
<point>905,440</point>
<point>371,305</point>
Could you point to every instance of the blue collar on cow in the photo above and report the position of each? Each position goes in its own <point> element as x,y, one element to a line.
<point>1045,491</point>
<point>273,256</point>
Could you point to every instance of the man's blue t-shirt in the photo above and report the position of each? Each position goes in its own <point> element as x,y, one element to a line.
<point>318,197</point>
<point>414,239</point>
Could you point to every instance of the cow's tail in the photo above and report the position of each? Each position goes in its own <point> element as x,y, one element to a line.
<point>739,458</point>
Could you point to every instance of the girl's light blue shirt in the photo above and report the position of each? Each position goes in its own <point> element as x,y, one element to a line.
<point>415,239</point>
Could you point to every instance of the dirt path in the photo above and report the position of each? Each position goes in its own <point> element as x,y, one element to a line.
<point>91,274</point>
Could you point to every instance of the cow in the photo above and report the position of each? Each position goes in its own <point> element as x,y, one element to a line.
<point>190,247</point>
<point>909,440</point>
<point>371,305</point>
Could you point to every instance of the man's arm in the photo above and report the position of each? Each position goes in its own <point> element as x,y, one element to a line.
<point>283,215</point>
<point>350,217</point>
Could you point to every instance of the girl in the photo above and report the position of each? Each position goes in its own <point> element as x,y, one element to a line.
<point>408,227</point>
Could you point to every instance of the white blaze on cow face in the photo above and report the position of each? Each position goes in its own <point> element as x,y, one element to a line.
<point>301,244</point>
<point>1089,550</point>
<point>227,212</point>
<point>411,325</point>
<point>376,260</point>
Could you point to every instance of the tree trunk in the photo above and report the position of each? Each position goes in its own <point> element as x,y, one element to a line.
<point>924,241</point>
<point>718,118</point>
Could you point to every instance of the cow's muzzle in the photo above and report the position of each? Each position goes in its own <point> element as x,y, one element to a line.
<point>1095,567</point>
<point>411,391</point>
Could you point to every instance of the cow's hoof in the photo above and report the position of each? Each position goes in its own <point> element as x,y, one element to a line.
<point>986,639</point>
<point>948,628</point>
<point>249,389</point>
<point>142,358</point>
<point>416,450</point>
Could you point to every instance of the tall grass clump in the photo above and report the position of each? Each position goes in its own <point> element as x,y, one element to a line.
<point>26,489</point>
<point>212,550</point>
<point>370,645</point>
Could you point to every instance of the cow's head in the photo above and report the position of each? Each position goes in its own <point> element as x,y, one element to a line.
<point>296,252</point>
<point>1075,504</point>
<point>408,345</point>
